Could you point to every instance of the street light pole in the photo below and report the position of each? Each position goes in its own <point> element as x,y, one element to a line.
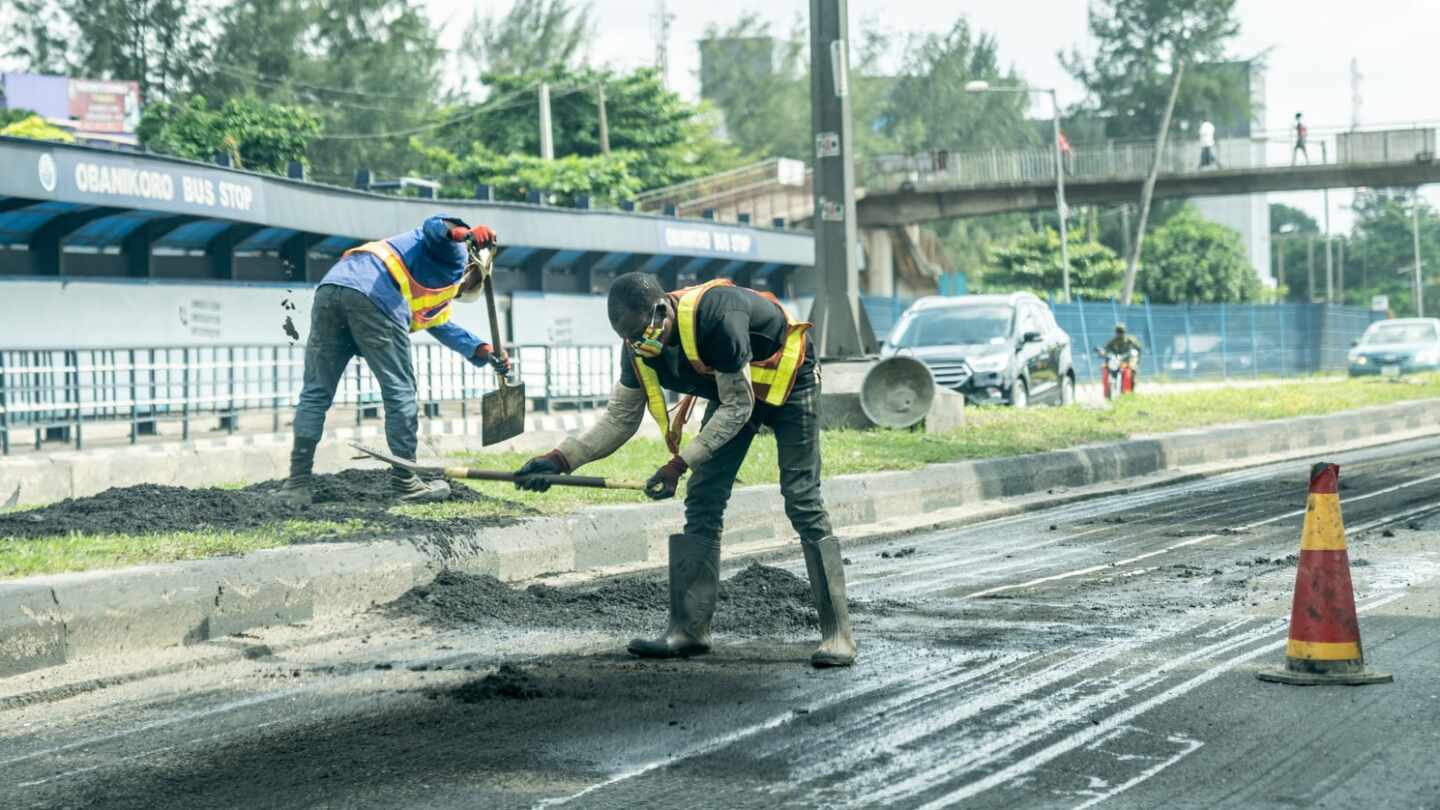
<point>982,86</point>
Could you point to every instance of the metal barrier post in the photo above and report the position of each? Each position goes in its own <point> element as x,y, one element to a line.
<point>134,418</point>
<point>1224,344</point>
<point>1150,328</point>
<point>4,409</point>
<point>72,394</point>
<point>275,389</point>
<point>1254,345</point>
<point>359,405</point>
<point>464,399</point>
<point>230,384</point>
<point>1189,363</point>
<point>1283,352</point>
<point>185,394</point>
<point>549,372</point>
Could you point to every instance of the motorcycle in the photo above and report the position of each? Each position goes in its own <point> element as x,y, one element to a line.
<point>1119,376</point>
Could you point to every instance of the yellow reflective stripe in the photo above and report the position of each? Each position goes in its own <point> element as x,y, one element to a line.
<point>685,313</point>
<point>420,304</point>
<point>1324,530</point>
<point>654,395</point>
<point>1323,650</point>
<point>782,378</point>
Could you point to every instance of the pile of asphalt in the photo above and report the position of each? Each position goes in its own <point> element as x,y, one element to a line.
<point>757,601</point>
<point>350,496</point>
<point>508,682</point>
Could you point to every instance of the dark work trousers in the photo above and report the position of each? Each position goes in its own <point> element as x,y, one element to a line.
<point>344,323</point>
<point>797,437</point>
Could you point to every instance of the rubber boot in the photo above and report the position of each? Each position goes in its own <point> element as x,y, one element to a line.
<point>298,490</point>
<point>827,583</point>
<point>694,589</point>
<point>410,488</point>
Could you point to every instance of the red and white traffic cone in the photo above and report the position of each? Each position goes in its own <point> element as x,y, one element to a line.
<point>1324,645</point>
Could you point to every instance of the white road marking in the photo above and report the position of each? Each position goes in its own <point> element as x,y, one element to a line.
<point>1089,733</point>
<point>1191,747</point>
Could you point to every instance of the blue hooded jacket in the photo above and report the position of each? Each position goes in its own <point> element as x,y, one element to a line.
<point>433,260</point>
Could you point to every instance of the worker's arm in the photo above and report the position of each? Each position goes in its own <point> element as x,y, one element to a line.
<point>617,424</point>
<point>459,339</point>
<point>737,403</point>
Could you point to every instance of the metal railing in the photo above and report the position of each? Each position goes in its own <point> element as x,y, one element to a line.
<point>1117,160</point>
<point>57,394</point>
<point>768,190</point>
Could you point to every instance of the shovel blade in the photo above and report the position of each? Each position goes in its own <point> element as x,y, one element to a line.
<point>502,414</point>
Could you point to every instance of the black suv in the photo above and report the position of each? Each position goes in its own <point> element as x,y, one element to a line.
<point>991,348</point>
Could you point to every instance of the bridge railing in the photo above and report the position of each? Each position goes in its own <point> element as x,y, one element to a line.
<point>57,394</point>
<point>1132,160</point>
<point>766,190</point>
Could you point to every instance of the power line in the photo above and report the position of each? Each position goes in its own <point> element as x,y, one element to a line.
<point>484,108</point>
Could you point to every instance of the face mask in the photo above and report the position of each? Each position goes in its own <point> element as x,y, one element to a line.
<point>473,294</point>
<point>649,345</point>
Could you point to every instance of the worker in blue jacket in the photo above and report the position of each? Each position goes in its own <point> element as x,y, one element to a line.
<point>369,304</point>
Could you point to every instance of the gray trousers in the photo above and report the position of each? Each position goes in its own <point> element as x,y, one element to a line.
<point>345,323</point>
<point>797,437</point>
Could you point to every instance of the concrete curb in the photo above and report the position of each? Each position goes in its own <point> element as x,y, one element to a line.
<point>49,620</point>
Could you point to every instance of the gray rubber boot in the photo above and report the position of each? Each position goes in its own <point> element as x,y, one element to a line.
<point>827,583</point>
<point>410,488</point>
<point>694,589</point>
<point>298,489</point>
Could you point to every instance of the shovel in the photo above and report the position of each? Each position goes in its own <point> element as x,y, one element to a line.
<point>495,475</point>
<point>502,411</point>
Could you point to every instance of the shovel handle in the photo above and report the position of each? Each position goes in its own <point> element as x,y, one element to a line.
<point>590,481</point>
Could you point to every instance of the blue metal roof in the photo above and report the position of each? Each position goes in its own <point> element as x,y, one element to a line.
<point>16,227</point>
<point>564,258</point>
<point>266,239</point>
<point>511,256</point>
<point>654,264</point>
<point>333,245</point>
<point>698,264</point>
<point>612,261</point>
<point>765,270</point>
<point>111,230</point>
<point>730,270</point>
<point>194,235</point>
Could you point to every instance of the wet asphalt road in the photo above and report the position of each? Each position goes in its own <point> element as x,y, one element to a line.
<point>1097,653</point>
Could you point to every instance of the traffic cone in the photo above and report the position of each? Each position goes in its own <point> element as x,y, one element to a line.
<point>1324,645</point>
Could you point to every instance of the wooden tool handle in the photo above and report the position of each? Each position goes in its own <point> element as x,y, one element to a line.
<point>589,481</point>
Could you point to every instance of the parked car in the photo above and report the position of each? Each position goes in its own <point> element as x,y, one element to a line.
<point>1397,346</point>
<point>994,349</point>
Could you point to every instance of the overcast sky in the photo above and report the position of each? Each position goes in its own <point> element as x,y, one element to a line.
<point>1308,49</point>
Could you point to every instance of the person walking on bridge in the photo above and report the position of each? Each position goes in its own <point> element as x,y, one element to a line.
<point>1301,134</point>
<point>369,304</point>
<point>1207,144</point>
<point>755,364</point>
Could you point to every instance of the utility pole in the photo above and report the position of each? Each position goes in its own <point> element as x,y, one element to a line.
<point>604,123</point>
<point>661,32</point>
<point>1060,207</point>
<point>1340,271</point>
<point>547,143</point>
<point>1310,269</point>
<point>1329,262</point>
<point>1148,192</point>
<point>1415,235</point>
<point>841,328</point>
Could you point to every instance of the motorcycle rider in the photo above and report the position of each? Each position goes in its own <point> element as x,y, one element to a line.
<point>1121,345</point>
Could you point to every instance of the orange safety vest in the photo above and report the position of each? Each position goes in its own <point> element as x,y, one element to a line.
<point>429,307</point>
<point>772,378</point>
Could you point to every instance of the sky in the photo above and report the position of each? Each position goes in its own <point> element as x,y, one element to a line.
<point>1308,48</point>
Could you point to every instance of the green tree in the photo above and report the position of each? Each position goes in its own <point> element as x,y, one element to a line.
<point>533,36</point>
<point>37,36</point>
<point>1139,45</point>
<point>1291,232</point>
<point>37,128</point>
<point>1381,252</point>
<point>929,108</point>
<point>258,136</point>
<point>1032,263</point>
<point>1190,260</point>
<point>159,43</point>
<point>760,83</point>
<point>644,118</point>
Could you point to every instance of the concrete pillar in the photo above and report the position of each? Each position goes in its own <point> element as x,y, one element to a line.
<point>879,261</point>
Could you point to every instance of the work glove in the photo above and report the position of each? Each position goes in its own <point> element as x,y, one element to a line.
<point>480,235</point>
<point>666,480</point>
<point>486,355</point>
<point>552,463</point>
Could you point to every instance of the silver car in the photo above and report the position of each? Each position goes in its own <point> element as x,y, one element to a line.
<point>1397,346</point>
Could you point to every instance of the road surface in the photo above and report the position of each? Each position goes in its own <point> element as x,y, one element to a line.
<point>1098,653</point>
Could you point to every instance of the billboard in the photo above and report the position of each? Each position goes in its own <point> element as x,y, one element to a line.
<point>105,106</point>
